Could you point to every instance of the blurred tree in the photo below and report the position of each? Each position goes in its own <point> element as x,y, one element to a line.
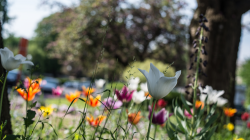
<point>152,29</point>
<point>224,22</point>
<point>12,42</point>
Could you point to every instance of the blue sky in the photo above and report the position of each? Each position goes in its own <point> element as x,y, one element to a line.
<point>28,13</point>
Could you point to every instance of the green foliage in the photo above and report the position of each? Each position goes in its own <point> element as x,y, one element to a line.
<point>12,42</point>
<point>132,71</point>
<point>189,127</point>
<point>245,75</point>
<point>77,35</point>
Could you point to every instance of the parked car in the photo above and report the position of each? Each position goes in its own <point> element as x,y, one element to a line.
<point>12,78</point>
<point>72,86</point>
<point>86,84</point>
<point>48,84</point>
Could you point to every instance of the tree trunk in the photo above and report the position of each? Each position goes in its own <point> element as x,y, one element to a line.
<point>224,22</point>
<point>6,103</point>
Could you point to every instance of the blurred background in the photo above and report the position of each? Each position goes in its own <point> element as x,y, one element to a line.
<point>68,38</point>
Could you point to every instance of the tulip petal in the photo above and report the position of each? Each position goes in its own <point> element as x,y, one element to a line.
<point>154,76</point>
<point>28,62</point>
<point>20,57</point>
<point>164,85</point>
<point>5,55</point>
<point>12,63</point>
<point>161,116</point>
<point>146,74</point>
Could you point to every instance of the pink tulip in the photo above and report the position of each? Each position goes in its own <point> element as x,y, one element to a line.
<point>58,91</point>
<point>186,113</point>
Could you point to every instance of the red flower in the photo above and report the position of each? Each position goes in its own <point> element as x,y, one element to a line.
<point>245,116</point>
<point>248,124</point>
<point>160,104</point>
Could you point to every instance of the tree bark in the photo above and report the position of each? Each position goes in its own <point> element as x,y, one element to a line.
<point>224,22</point>
<point>6,104</point>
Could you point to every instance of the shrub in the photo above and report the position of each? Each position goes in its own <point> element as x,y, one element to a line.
<point>132,70</point>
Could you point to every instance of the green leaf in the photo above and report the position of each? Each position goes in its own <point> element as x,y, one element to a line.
<point>175,127</point>
<point>210,133</point>
<point>31,114</point>
<point>179,113</point>
<point>211,120</point>
<point>185,104</point>
<point>12,137</point>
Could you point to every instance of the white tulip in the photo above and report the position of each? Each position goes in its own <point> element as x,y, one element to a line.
<point>99,83</point>
<point>133,83</point>
<point>144,87</point>
<point>158,85</point>
<point>138,97</point>
<point>132,86</point>
<point>221,101</point>
<point>10,62</point>
<point>213,96</point>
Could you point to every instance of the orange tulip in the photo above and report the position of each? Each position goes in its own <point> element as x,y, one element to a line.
<point>134,118</point>
<point>198,104</point>
<point>87,91</point>
<point>148,95</point>
<point>30,92</point>
<point>230,112</point>
<point>97,121</point>
<point>73,96</point>
<point>93,101</point>
<point>34,83</point>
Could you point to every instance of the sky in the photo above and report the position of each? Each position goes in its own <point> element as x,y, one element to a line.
<point>28,13</point>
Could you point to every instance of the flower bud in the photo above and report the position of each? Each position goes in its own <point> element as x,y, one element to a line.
<point>195,45</point>
<point>204,19</point>
<point>206,39</point>
<point>205,63</point>
<point>191,56</point>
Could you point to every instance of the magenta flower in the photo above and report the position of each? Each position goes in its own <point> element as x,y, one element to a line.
<point>124,95</point>
<point>160,117</point>
<point>57,91</point>
<point>112,104</point>
<point>189,116</point>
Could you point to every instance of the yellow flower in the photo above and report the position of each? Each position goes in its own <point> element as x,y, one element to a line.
<point>239,139</point>
<point>229,126</point>
<point>46,110</point>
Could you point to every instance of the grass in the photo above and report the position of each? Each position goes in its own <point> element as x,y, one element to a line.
<point>63,101</point>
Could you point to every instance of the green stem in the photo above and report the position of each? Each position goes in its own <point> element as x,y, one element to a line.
<point>116,134</point>
<point>2,94</point>
<point>197,72</point>
<point>155,131</point>
<point>26,116</point>
<point>27,91</point>
<point>151,118</point>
